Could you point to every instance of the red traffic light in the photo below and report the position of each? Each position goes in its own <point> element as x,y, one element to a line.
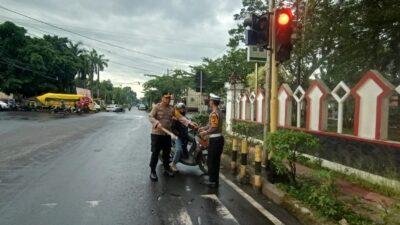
<point>283,34</point>
<point>283,16</point>
<point>283,19</point>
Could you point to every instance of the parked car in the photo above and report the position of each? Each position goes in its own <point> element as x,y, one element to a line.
<point>119,109</point>
<point>114,108</point>
<point>3,106</point>
<point>142,107</point>
<point>111,108</point>
<point>96,107</point>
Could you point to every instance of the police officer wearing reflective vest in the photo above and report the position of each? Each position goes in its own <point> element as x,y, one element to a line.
<point>216,141</point>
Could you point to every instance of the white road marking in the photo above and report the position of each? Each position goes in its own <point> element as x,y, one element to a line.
<point>93,204</point>
<point>199,220</point>
<point>221,209</point>
<point>50,205</point>
<point>188,188</point>
<point>256,205</point>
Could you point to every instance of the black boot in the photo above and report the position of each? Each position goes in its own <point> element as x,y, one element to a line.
<point>168,172</point>
<point>153,176</point>
<point>211,184</point>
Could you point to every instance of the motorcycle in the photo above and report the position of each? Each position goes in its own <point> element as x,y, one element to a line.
<point>197,149</point>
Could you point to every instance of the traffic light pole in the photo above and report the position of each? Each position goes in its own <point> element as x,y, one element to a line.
<point>256,78</point>
<point>268,71</point>
<point>271,79</point>
<point>274,82</point>
<point>201,91</point>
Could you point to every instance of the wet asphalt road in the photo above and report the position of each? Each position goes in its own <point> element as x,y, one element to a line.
<point>93,169</point>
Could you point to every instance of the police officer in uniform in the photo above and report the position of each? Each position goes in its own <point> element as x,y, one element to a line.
<point>216,141</point>
<point>161,117</point>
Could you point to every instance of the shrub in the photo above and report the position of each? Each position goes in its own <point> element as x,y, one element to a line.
<point>320,194</point>
<point>200,118</point>
<point>248,128</point>
<point>285,146</point>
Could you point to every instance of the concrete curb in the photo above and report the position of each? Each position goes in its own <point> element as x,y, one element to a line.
<point>279,197</point>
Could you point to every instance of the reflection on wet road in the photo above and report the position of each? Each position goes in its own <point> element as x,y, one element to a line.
<point>93,169</point>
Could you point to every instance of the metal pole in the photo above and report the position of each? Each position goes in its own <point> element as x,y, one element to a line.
<point>234,99</point>
<point>274,82</point>
<point>256,79</point>
<point>268,66</point>
<point>201,90</point>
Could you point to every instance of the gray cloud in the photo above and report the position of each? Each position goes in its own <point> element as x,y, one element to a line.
<point>182,30</point>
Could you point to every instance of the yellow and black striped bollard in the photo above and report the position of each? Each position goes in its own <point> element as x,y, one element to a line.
<point>243,159</point>
<point>257,167</point>
<point>234,154</point>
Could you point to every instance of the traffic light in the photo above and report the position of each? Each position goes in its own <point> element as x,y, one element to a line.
<point>283,34</point>
<point>257,32</point>
<point>200,80</point>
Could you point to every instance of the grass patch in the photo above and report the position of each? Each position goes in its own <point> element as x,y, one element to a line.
<point>320,194</point>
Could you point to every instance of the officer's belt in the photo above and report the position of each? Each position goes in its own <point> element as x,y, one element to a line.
<point>215,135</point>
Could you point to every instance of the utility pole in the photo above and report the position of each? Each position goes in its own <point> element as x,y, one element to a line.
<point>201,91</point>
<point>274,77</point>
<point>268,66</point>
<point>256,79</point>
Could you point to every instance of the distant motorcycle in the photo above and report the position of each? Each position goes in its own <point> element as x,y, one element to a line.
<point>197,152</point>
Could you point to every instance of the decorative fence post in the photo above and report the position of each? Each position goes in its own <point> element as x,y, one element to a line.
<point>298,95</point>
<point>260,107</point>
<point>285,95</point>
<point>237,106</point>
<point>252,99</point>
<point>245,107</point>
<point>230,104</point>
<point>371,110</point>
<point>317,107</point>
<point>257,167</point>
<point>340,101</point>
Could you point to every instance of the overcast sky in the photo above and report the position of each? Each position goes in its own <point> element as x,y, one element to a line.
<point>157,34</point>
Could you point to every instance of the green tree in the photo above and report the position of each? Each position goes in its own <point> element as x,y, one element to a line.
<point>98,64</point>
<point>219,70</point>
<point>257,7</point>
<point>32,66</point>
<point>176,82</point>
<point>12,39</point>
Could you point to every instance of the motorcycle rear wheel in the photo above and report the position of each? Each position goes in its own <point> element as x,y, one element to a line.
<point>202,162</point>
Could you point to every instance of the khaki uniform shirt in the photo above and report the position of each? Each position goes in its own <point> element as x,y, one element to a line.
<point>214,122</point>
<point>161,115</point>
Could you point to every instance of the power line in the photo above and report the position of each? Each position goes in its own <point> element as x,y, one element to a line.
<point>129,35</point>
<point>4,60</point>
<point>133,67</point>
<point>93,39</point>
<point>150,63</point>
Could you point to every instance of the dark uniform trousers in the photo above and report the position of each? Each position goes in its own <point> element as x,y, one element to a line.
<point>215,149</point>
<point>160,143</point>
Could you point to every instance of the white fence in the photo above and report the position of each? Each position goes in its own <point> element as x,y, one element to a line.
<point>371,98</point>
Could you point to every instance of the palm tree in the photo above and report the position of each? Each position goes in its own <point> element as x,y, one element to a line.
<point>75,48</point>
<point>102,63</point>
<point>84,68</point>
<point>83,62</point>
<point>97,64</point>
<point>93,60</point>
